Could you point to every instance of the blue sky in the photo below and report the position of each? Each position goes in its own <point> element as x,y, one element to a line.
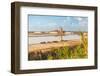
<point>49,23</point>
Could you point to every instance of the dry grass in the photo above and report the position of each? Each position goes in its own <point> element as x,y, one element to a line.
<point>46,46</point>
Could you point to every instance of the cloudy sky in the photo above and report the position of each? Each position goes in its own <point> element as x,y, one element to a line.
<point>49,23</point>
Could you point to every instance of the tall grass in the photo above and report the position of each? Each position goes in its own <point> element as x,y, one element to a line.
<point>67,53</point>
<point>74,52</point>
<point>84,43</point>
<point>79,51</point>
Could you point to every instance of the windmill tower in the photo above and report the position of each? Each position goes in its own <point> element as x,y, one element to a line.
<point>61,33</point>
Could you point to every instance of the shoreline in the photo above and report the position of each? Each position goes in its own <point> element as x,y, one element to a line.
<point>47,46</point>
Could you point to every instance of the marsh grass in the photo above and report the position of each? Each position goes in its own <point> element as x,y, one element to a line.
<point>75,52</point>
<point>71,52</point>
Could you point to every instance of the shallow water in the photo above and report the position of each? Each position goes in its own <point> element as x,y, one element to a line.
<point>35,40</point>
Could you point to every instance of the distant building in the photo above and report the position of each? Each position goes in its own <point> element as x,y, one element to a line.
<point>53,32</point>
<point>37,32</point>
<point>68,33</point>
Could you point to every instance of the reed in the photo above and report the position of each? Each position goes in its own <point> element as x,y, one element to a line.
<point>66,52</point>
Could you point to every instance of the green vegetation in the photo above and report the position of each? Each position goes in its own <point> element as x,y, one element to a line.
<point>71,52</point>
<point>67,53</point>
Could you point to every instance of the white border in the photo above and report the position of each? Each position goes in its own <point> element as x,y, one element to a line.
<point>25,64</point>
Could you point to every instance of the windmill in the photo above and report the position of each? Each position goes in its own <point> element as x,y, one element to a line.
<point>61,33</point>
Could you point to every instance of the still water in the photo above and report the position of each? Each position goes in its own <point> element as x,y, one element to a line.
<point>35,40</point>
